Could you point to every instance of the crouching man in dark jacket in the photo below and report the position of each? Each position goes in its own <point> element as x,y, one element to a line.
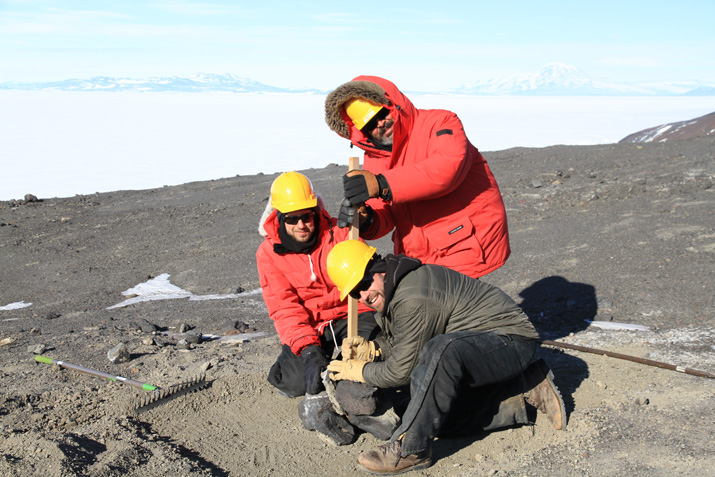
<point>464,347</point>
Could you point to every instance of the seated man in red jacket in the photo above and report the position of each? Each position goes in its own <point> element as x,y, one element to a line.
<point>421,177</point>
<point>304,303</point>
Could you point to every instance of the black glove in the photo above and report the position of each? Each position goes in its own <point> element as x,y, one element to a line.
<point>360,186</point>
<point>346,216</point>
<point>316,361</point>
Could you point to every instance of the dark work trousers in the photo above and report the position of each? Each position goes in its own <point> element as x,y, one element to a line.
<point>464,383</point>
<point>286,374</point>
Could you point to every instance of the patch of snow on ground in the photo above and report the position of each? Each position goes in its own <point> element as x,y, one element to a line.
<point>160,288</point>
<point>669,346</point>
<point>15,306</point>
<point>610,325</point>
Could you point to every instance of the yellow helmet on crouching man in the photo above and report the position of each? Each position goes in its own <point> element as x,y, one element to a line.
<point>292,191</point>
<point>347,262</point>
<point>361,111</point>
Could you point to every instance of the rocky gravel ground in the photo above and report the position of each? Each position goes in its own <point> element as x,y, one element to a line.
<point>611,235</point>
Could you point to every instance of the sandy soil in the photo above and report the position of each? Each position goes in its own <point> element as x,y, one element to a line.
<point>620,233</point>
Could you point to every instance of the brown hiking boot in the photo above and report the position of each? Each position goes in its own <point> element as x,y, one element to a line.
<point>387,459</point>
<point>542,393</point>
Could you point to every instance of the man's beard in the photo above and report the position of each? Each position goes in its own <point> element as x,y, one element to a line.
<point>385,141</point>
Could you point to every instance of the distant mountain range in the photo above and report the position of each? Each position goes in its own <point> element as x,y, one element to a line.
<point>554,79</point>
<point>558,79</point>
<point>192,84</point>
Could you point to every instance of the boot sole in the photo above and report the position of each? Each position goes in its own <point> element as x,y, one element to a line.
<point>420,466</point>
<point>544,368</point>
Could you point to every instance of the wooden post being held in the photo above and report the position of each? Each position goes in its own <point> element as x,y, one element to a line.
<point>354,234</point>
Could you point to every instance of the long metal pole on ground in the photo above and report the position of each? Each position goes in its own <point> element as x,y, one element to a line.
<point>635,359</point>
<point>354,234</point>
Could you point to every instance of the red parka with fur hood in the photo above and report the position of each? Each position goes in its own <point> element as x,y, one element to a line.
<point>446,207</point>
<point>301,298</point>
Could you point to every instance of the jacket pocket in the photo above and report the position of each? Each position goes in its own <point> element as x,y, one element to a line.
<point>455,244</point>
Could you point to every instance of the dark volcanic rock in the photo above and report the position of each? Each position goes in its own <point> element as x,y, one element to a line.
<point>356,398</point>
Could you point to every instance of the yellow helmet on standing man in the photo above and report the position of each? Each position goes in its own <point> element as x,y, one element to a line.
<point>361,111</point>
<point>292,191</point>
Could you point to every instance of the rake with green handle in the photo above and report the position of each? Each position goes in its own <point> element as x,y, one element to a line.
<point>94,372</point>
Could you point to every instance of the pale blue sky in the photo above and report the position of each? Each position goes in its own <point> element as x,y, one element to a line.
<point>420,45</point>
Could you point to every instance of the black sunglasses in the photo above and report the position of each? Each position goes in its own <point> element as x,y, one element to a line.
<point>294,219</point>
<point>372,123</point>
<point>362,286</point>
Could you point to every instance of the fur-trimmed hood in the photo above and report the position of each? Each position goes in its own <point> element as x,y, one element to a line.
<point>377,90</point>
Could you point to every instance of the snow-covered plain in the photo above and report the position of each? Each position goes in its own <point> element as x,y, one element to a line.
<point>59,143</point>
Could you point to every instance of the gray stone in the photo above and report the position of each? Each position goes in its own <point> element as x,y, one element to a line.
<point>356,398</point>
<point>337,429</point>
<point>311,407</point>
<point>330,391</point>
<point>316,413</point>
<point>145,326</point>
<point>119,354</point>
<point>192,337</point>
<point>36,349</point>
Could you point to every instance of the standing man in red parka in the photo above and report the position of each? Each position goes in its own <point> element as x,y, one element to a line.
<point>421,177</point>
<point>302,300</point>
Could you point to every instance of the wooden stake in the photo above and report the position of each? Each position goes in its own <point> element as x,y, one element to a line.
<point>354,164</point>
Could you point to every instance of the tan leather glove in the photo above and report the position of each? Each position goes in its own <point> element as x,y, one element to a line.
<point>350,370</point>
<point>358,347</point>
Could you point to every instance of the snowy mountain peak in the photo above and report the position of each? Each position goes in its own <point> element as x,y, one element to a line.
<point>557,68</point>
<point>560,79</point>
<point>561,73</point>
<point>553,78</point>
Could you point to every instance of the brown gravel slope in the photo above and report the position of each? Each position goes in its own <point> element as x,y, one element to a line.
<point>622,233</point>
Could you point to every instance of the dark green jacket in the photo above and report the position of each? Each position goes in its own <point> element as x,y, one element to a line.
<point>424,301</point>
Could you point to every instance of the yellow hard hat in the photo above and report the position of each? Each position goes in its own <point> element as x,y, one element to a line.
<point>361,111</point>
<point>292,191</point>
<point>346,264</point>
